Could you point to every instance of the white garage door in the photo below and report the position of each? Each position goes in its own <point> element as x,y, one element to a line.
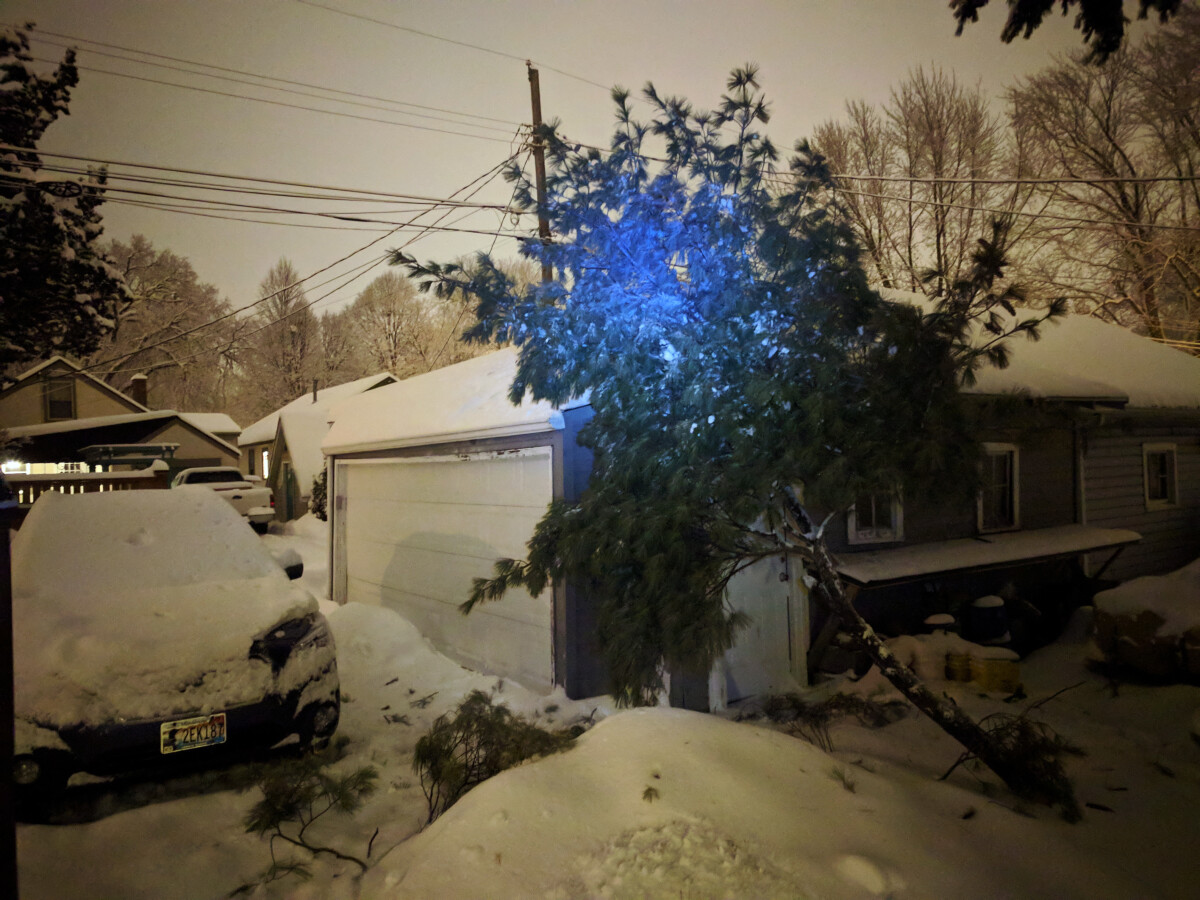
<point>415,532</point>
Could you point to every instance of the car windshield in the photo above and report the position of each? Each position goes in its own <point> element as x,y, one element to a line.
<point>214,477</point>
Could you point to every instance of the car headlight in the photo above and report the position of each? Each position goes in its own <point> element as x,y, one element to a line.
<point>276,645</point>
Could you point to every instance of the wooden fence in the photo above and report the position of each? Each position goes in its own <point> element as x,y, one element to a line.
<point>27,488</point>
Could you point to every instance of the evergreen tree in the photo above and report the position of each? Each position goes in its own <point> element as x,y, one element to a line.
<point>58,291</point>
<point>1101,21</point>
<point>716,315</point>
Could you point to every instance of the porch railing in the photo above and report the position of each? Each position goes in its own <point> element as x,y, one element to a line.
<point>27,488</point>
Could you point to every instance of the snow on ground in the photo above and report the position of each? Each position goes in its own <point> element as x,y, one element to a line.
<point>666,803</point>
<point>1174,597</point>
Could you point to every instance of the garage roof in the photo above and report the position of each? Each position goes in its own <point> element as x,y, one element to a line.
<point>1079,358</point>
<point>466,401</point>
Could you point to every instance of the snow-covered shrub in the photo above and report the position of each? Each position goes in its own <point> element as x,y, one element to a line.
<point>316,500</point>
<point>480,740</point>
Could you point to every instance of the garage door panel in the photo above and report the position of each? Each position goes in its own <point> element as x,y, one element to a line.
<point>488,643</point>
<point>506,480</point>
<point>447,580</point>
<point>487,532</point>
<point>418,531</point>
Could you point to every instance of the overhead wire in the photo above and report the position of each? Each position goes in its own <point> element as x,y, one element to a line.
<point>202,173</point>
<point>437,37</point>
<point>282,103</point>
<point>257,207</point>
<point>39,36</point>
<point>485,178</point>
<point>1071,221</point>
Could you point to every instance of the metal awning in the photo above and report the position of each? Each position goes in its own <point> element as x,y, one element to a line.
<point>126,454</point>
<point>876,568</point>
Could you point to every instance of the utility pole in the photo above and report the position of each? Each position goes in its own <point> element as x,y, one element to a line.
<point>539,163</point>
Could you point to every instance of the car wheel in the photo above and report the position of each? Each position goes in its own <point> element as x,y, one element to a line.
<point>317,723</point>
<point>260,527</point>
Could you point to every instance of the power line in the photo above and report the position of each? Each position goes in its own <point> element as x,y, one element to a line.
<point>1073,221</point>
<point>486,177</point>
<point>109,189</point>
<point>327,112</point>
<point>361,192</point>
<point>438,37</point>
<point>924,179</point>
<point>38,35</point>
<point>181,210</point>
<point>284,90</point>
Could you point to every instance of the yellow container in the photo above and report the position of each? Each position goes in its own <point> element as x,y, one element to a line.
<point>958,667</point>
<point>996,674</point>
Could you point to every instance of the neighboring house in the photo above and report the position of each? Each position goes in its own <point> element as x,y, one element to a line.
<point>285,446</point>
<point>1103,480</point>
<point>434,478</point>
<point>60,417</point>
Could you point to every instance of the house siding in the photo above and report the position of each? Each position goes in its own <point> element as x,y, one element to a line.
<point>1115,497</point>
<point>1045,486</point>
<point>23,404</point>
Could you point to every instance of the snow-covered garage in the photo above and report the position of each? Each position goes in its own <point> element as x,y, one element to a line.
<point>432,480</point>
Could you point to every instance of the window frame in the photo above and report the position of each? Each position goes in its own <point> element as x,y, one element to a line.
<point>49,384</point>
<point>1171,451</point>
<point>893,533</point>
<point>993,449</point>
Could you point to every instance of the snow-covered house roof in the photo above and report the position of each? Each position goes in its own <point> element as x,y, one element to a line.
<point>213,423</point>
<point>72,425</point>
<point>466,401</point>
<point>265,428</point>
<point>1081,358</point>
<point>303,430</point>
<point>36,369</point>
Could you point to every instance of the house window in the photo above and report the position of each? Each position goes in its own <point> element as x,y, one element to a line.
<point>999,507</point>
<point>874,519</point>
<point>59,397</point>
<point>250,463</point>
<point>1158,465</point>
<point>266,463</point>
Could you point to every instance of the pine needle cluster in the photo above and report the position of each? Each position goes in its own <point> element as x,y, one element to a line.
<point>479,740</point>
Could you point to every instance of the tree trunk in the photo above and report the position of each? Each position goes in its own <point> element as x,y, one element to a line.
<point>1026,770</point>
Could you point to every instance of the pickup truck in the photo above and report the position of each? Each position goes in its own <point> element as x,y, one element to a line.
<point>247,493</point>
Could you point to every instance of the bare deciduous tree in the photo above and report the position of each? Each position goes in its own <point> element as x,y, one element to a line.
<point>1136,258</point>
<point>188,371</point>
<point>919,234</point>
<point>279,362</point>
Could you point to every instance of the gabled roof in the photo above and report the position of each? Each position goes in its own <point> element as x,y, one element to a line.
<point>76,369</point>
<point>302,431</point>
<point>213,423</point>
<point>465,401</point>
<point>1080,358</point>
<point>264,429</point>
<point>72,425</point>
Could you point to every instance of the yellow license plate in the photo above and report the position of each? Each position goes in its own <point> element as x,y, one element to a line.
<point>190,734</point>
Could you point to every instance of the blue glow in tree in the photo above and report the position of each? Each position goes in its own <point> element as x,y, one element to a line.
<point>713,310</point>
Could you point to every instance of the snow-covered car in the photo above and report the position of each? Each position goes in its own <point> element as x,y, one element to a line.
<point>245,493</point>
<point>153,627</point>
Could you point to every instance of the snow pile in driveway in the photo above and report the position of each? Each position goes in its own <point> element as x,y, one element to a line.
<point>141,604</point>
<point>1174,597</point>
<point>668,803</point>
